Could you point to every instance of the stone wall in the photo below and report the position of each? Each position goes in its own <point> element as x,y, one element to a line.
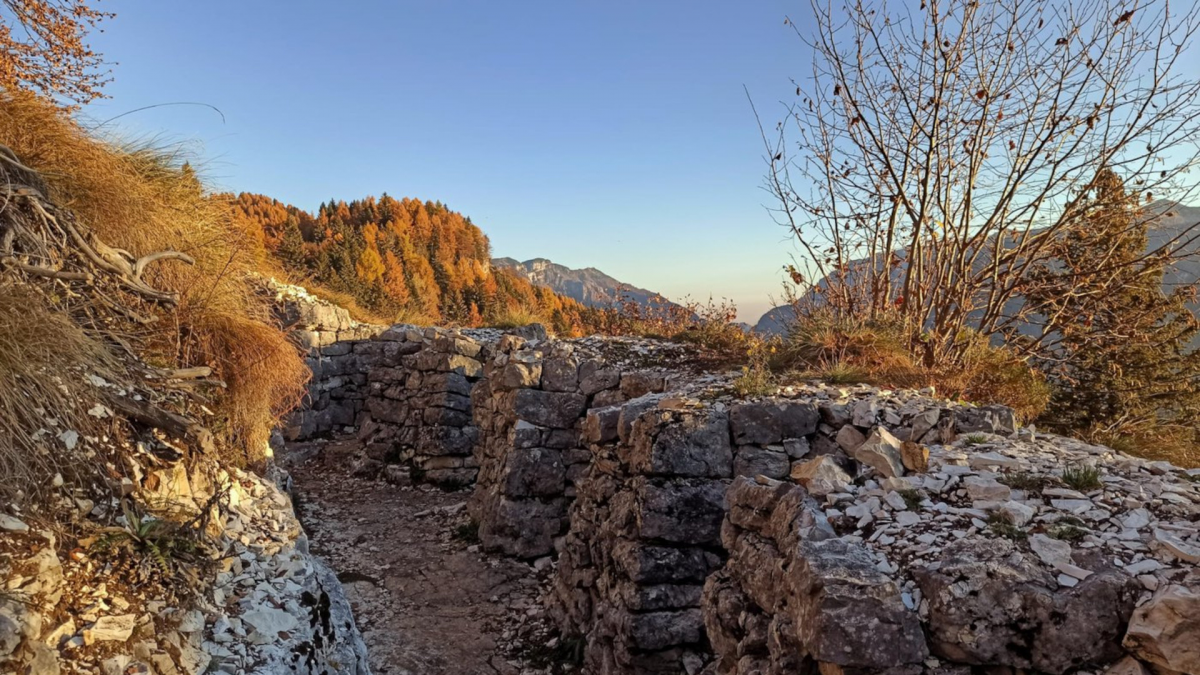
<point>336,349</point>
<point>698,532</point>
<point>531,409</point>
<point>418,406</point>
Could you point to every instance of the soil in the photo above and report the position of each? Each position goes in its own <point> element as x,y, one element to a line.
<point>427,599</point>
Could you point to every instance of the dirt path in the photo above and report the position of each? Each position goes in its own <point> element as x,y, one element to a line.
<point>427,600</point>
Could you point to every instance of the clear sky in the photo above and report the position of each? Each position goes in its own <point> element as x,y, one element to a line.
<point>610,134</point>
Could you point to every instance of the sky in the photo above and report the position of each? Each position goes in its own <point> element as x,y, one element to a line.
<point>612,134</point>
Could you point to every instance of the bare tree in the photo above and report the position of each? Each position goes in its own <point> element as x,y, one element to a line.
<point>935,154</point>
<point>43,47</point>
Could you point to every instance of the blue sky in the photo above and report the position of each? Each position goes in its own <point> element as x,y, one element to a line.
<point>609,134</point>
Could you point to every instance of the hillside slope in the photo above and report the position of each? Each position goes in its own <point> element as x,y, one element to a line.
<point>401,260</point>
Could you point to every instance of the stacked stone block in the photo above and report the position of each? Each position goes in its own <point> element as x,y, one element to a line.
<point>336,349</point>
<point>794,597</point>
<point>530,408</point>
<point>418,406</point>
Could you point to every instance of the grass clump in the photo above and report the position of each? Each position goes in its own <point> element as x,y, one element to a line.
<point>148,549</point>
<point>883,351</point>
<point>1082,478</point>
<point>912,499</point>
<point>975,439</point>
<point>1022,480</point>
<point>514,316</point>
<point>1067,532</point>
<point>45,361</point>
<point>1002,525</point>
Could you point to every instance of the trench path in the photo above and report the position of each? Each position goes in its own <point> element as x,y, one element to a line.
<point>426,599</point>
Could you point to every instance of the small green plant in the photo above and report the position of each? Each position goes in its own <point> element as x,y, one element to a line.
<point>912,499</point>
<point>975,439</point>
<point>755,380</point>
<point>1022,480</point>
<point>467,532</point>
<point>149,549</point>
<point>1067,532</point>
<point>1082,478</point>
<point>1002,525</point>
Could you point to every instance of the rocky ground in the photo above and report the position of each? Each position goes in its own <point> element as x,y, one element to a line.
<point>425,597</point>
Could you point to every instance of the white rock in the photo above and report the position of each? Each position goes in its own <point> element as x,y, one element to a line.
<point>1053,552</point>
<point>984,489</point>
<point>1143,567</point>
<point>1163,631</point>
<point>12,524</point>
<point>1176,547</point>
<point>1136,519</point>
<point>1017,513</point>
<point>110,628</point>
<point>1067,581</point>
<point>268,623</point>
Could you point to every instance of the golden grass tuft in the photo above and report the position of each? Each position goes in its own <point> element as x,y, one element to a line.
<point>514,317</point>
<point>45,359</point>
<point>145,198</point>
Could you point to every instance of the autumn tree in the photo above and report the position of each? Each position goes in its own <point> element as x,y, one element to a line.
<point>1118,347</point>
<point>43,48</point>
<point>936,154</point>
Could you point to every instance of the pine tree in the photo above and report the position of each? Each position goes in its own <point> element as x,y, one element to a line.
<point>1120,357</point>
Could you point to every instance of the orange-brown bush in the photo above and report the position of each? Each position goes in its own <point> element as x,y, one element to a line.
<point>143,198</point>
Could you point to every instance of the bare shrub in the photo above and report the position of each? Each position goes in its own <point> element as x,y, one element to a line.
<point>935,155</point>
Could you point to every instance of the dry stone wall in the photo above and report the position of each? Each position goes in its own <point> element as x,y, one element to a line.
<point>419,411</point>
<point>336,349</point>
<point>531,408</point>
<point>839,529</point>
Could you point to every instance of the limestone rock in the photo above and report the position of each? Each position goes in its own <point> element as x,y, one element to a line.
<point>990,605</point>
<point>821,475</point>
<point>110,628</point>
<point>881,451</point>
<point>1166,630</point>
<point>850,614</point>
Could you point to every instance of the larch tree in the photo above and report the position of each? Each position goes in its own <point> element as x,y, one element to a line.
<point>43,48</point>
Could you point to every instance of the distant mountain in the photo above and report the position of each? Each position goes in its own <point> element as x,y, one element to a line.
<point>1172,220</point>
<point>588,286</point>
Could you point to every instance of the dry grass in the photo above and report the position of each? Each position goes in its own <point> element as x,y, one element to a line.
<point>344,300</point>
<point>44,362</point>
<point>514,317</point>
<point>1176,445</point>
<point>143,198</point>
<point>846,350</point>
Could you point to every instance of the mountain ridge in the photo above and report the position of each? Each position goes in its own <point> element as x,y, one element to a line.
<point>588,285</point>
<point>1172,220</point>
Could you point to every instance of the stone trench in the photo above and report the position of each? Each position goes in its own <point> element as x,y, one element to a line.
<point>514,503</point>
